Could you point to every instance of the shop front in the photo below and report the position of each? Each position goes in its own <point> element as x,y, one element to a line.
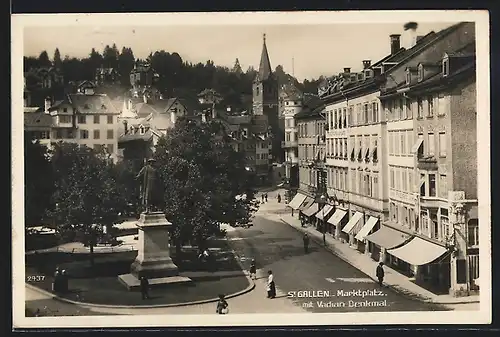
<point>426,261</point>
<point>371,224</point>
<point>383,239</point>
<point>352,227</point>
<point>310,212</point>
<point>337,221</point>
<point>308,201</point>
<point>322,216</point>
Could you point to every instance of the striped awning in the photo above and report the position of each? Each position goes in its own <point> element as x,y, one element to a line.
<point>297,200</point>
<point>352,222</point>
<point>324,212</point>
<point>363,232</point>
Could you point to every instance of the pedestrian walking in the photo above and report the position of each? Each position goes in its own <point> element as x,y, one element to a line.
<point>262,197</point>
<point>253,270</point>
<point>380,273</point>
<point>271,286</point>
<point>279,198</point>
<point>306,243</point>
<point>222,305</point>
<point>265,196</point>
<point>144,288</point>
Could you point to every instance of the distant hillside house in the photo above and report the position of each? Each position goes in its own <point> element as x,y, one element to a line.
<point>144,120</point>
<point>84,118</point>
<point>44,78</point>
<point>106,76</point>
<point>142,75</point>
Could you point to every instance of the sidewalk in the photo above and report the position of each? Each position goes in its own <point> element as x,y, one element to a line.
<point>365,264</point>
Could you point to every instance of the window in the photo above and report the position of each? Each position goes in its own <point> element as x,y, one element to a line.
<point>422,185</point>
<point>411,184</point>
<point>445,68</point>
<point>432,143</point>
<point>96,119</point>
<point>391,146</point>
<point>430,106</point>
<point>432,185</point>
<point>420,108</point>
<point>392,177</point>
<point>402,135</point>
<point>98,147</point>
<point>443,186</point>
<point>409,112</point>
<point>375,112</point>
<point>445,227</point>
<point>375,185</point>
<point>435,229</point>
<point>397,143</point>
<point>65,109</point>
<point>365,113</point>
<point>398,179</point>
<point>420,73</point>
<point>109,134</point>
<point>441,105</point>
<point>473,233</point>
<point>353,180</point>
<point>345,147</point>
<point>370,115</point>
<point>288,136</point>
<point>97,134</point>
<point>404,179</point>
<point>442,144</point>
<point>65,119</point>
<point>408,76</point>
<point>82,119</point>
<point>344,117</point>
<point>110,148</point>
<point>409,141</point>
<point>84,134</point>
<point>401,111</point>
<point>351,115</point>
<point>110,119</point>
<point>421,149</point>
<point>335,119</point>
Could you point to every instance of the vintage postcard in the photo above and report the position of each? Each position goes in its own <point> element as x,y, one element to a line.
<point>251,169</point>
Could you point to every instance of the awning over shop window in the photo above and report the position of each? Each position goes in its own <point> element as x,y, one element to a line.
<point>297,200</point>
<point>352,222</point>
<point>312,209</point>
<point>418,252</point>
<point>363,232</point>
<point>337,217</point>
<point>415,147</point>
<point>305,204</point>
<point>387,238</point>
<point>324,212</point>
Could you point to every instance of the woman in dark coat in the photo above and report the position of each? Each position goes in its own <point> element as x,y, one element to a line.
<point>222,306</point>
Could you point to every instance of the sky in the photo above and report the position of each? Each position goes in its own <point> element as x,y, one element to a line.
<point>305,50</point>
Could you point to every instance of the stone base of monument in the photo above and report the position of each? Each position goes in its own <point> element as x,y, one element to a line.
<point>153,257</point>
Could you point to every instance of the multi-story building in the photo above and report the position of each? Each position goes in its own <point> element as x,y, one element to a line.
<point>401,158</point>
<point>84,118</point>
<point>310,123</point>
<point>430,101</point>
<point>292,102</point>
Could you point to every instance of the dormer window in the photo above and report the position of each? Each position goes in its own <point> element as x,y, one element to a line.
<point>142,130</point>
<point>408,76</point>
<point>420,73</point>
<point>446,67</point>
<point>103,106</point>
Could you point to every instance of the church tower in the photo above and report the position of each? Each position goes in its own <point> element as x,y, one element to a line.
<point>265,101</point>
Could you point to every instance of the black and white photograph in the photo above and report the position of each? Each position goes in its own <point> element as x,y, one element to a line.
<point>300,168</point>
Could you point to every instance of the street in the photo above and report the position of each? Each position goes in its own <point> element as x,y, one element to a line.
<point>319,281</point>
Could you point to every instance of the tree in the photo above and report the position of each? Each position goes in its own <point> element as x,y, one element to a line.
<point>57,59</point>
<point>201,186</point>
<point>126,61</point>
<point>43,59</point>
<point>86,197</point>
<point>37,181</point>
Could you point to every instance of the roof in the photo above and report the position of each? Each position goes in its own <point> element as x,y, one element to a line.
<point>265,71</point>
<point>146,136</point>
<point>238,120</point>
<point>56,104</point>
<point>28,109</point>
<point>38,119</point>
<point>291,92</point>
<point>91,103</point>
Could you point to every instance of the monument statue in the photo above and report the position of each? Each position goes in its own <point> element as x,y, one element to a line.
<point>150,188</point>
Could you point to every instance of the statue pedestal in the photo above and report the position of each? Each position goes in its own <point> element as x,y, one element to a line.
<point>153,257</point>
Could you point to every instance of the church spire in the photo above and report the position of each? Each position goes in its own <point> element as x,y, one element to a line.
<point>265,65</point>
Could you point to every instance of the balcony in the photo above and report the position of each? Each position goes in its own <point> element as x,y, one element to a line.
<point>427,163</point>
<point>289,144</point>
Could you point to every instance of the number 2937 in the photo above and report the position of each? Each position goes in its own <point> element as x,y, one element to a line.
<point>35,278</point>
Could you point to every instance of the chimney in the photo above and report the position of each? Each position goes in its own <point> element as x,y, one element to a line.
<point>366,64</point>
<point>395,43</point>
<point>347,70</point>
<point>125,126</point>
<point>48,104</point>
<point>410,29</point>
